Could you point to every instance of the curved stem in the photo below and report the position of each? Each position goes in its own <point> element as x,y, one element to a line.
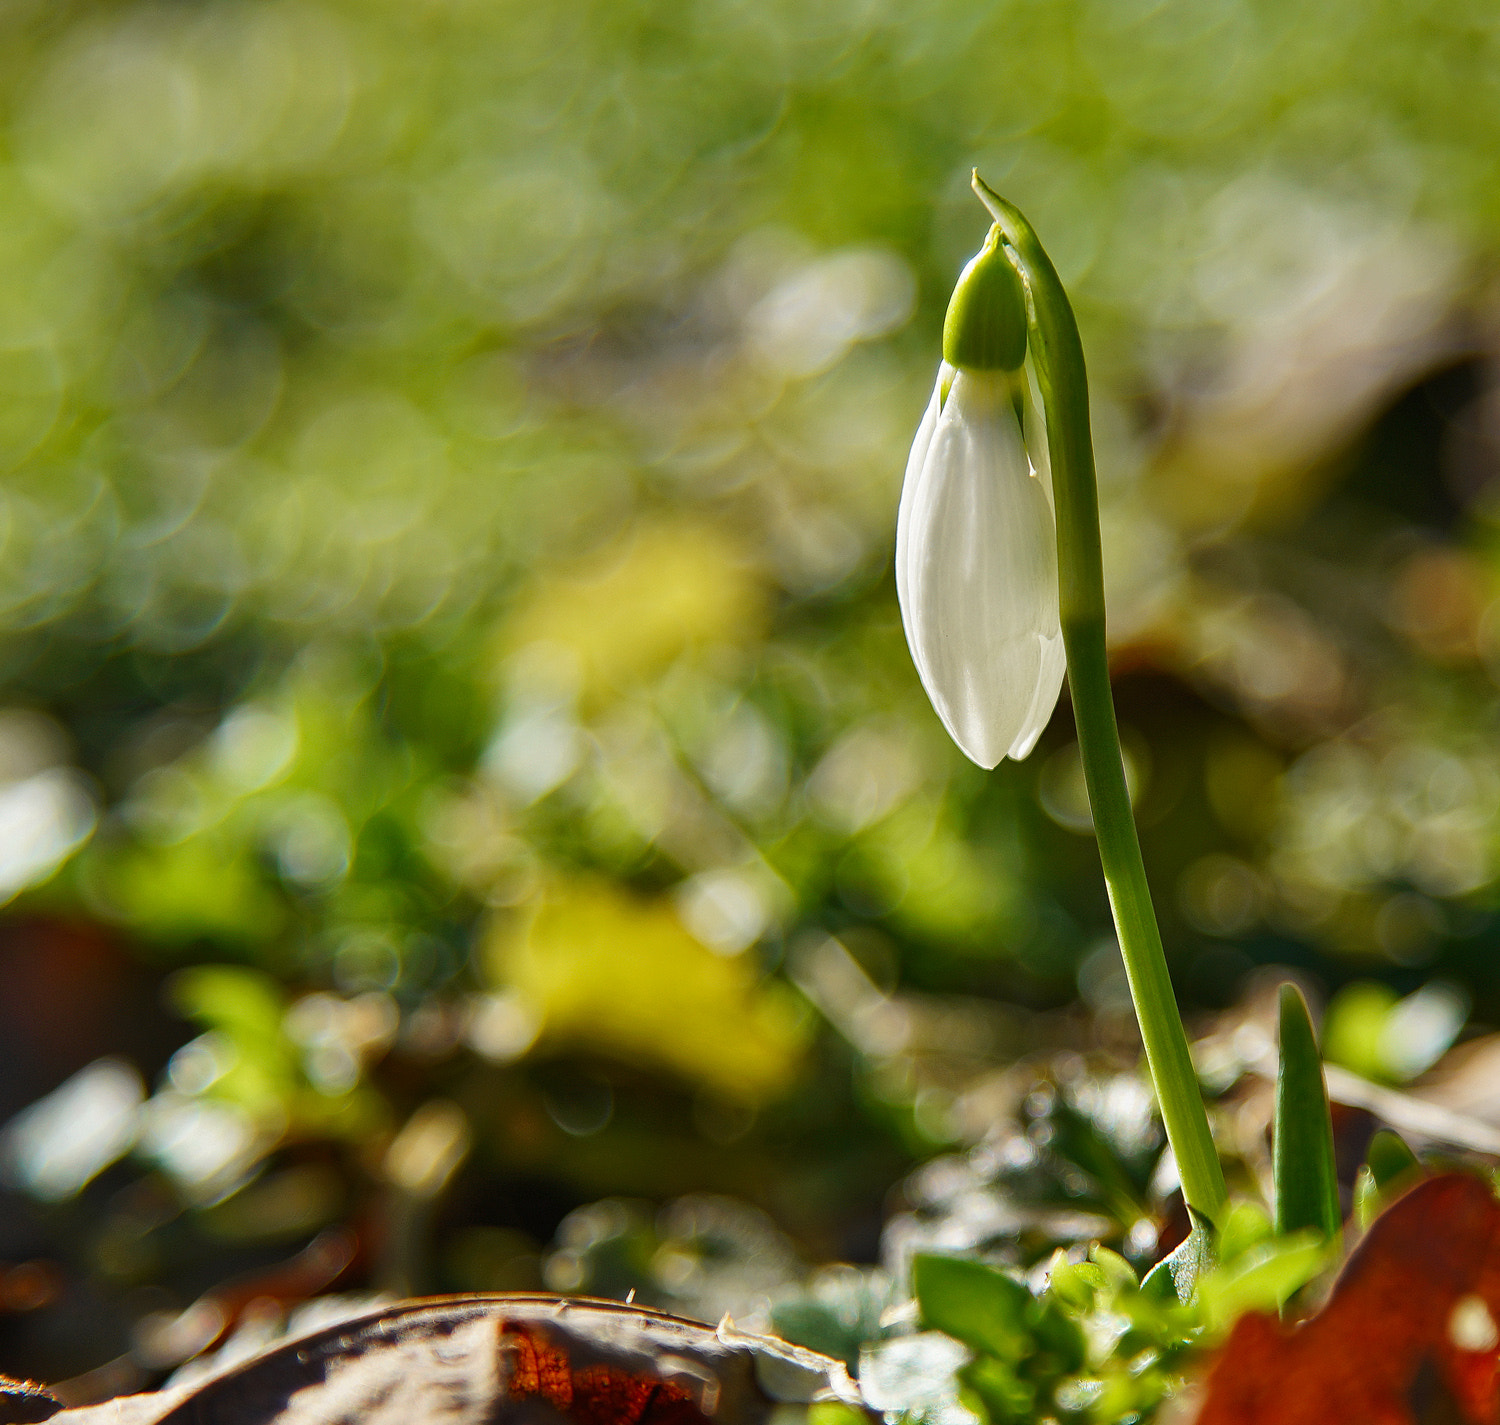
<point>1058,355</point>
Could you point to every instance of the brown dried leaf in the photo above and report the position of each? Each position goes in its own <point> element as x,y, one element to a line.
<point>1408,1336</point>
<point>501,1360</point>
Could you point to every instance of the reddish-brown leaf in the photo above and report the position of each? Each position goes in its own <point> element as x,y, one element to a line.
<point>599,1394</point>
<point>1408,1334</point>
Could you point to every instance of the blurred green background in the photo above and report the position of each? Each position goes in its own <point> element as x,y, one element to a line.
<point>459,761</point>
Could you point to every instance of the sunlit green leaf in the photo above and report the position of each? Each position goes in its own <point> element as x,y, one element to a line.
<point>974,1303</point>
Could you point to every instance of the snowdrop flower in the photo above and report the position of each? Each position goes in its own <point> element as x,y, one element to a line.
<point>976,537</point>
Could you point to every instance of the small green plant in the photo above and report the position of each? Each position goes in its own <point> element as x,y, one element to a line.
<point>1097,1344</point>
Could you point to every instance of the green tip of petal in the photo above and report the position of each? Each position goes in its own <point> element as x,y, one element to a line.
<point>985,329</point>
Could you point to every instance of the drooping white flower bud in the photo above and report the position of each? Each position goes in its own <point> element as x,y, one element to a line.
<point>976,538</point>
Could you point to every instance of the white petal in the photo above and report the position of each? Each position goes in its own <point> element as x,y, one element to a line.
<point>979,575</point>
<point>915,464</point>
<point>1054,663</point>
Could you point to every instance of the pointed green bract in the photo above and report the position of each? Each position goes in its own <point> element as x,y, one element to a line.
<point>1307,1193</point>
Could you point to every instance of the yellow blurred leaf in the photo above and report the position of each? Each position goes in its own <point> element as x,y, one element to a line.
<point>199,888</point>
<point>636,607</point>
<point>603,968</point>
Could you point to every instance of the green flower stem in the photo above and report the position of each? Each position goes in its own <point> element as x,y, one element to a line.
<point>1058,356</point>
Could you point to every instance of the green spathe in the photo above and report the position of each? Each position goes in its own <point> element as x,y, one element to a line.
<point>985,329</point>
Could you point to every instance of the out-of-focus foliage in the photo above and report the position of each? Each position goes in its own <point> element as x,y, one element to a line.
<point>458,757</point>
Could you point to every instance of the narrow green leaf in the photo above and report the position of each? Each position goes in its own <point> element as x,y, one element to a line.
<point>1307,1193</point>
<point>973,1303</point>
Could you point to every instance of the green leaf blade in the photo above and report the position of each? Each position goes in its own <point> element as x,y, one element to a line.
<point>974,1303</point>
<point>1307,1194</point>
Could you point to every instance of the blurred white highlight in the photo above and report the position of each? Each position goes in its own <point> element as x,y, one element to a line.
<point>1418,1030</point>
<point>63,1141</point>
<point>208,1145</point>
<point>43,820</point>
<point>816,313</point>
<point>727,909</point>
